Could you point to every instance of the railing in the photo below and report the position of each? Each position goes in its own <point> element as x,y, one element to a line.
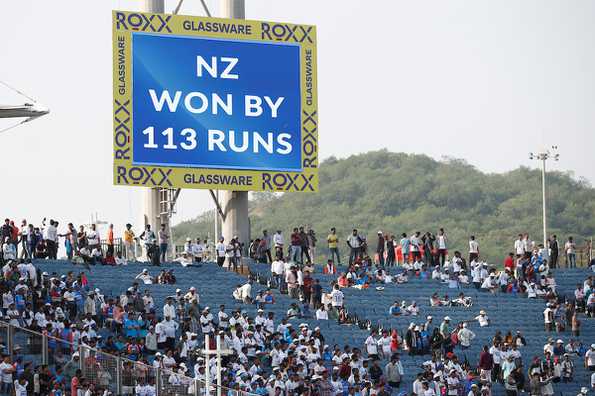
<point>105,371</point>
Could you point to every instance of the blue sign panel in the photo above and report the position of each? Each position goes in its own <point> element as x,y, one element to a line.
<point>216,103</point>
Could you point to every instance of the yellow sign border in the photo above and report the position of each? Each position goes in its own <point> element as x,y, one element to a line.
<point>125,23</point>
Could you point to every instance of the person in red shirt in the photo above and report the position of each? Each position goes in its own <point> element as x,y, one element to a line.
<point>509,262</point>
<point>486,362</point>
<point>329,268</point>
<point>75,383</point>
<point>296,247</point>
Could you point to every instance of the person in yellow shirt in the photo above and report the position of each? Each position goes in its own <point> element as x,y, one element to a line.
<point>129,243</point>
<point>333,246</point>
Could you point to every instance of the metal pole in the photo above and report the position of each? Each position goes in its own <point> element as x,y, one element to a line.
<point>219,383</point>
<point>44,349</point>
<point>10,340</point>
<point>544,203</point>
<point>158,382</point>
<point>234,203</point>
<point>152,197</point>
<point>216,238</point>
<point>119,376</point>
<point>207,366</point>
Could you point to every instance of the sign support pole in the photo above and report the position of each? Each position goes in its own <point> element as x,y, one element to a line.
<point>151,196</point>
<point>234,221</point>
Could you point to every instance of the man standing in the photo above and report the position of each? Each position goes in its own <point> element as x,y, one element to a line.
<point>337,299</point>
<point>354,242</point>
<point>220,248</point>
<point>93,240</point>
<point>333,246</point>
<point>110,241</point>
<point>24,230</point>
<point>394,371</point>
<point>519,246</point>
<point>197,251</point>
<point>553,251</point>
<point>473,249</point>
<point>296,246</point>
<point>51,239</point>
<point>278,271</point>
<point>129,243</point>
<point>267,245</point>
<point>405,247</point>
<point>312,244</point>
<point>442,247</point>
<point>570,249</point>
<point>148,237</point>
<point>380,248</point>
<point>414,244</point>
<point>305,246</point>
<point>390,250</point>
<point>163,242</point>
<point>279,243</point>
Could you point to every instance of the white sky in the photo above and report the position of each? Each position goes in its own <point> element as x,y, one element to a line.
<point>487,81</point>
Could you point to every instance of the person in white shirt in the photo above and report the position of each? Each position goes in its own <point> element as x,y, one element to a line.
<point>519,247</point>
<point>465,336</point>
<point>169,310</point>
<point>244,293</point>
<point>6,372</point>
<point>473,249</point>
<point>206,321</point>
<point>337,298</point>
<point>436,272</point>
<point>321,313</point>
<point>93,239</point>
<point>220,249</point>
<point>489,284</point>
<point>279,243</point>
<point>442,240</point>
<point>50,234</point>
<point>570,250</point>
<point>198,251</point>
<point>9,250</point>
<point>590,358</point>
<point>372,345</point>
<point>145,277</point>
<point>483,319</point>
<point>20,387</point>
<point>278,270</point>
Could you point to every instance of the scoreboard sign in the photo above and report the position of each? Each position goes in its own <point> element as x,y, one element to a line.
<point>214,103</point>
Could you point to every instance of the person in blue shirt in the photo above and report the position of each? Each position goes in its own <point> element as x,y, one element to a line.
<point>327,355</point>
<point>131,327</point>
<point>395,309</point>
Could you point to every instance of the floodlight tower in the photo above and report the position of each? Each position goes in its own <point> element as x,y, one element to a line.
<point>543,156</point>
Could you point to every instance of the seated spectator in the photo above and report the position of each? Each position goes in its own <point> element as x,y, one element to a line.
<point>329,268</point>
<point>145,277</point>
<point>322,313</point>
<point>462,301</point>
<point>395,309</point>
<point>436,274</point>
<point>412,309</point>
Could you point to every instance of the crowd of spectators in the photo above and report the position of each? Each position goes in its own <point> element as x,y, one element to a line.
<point>269,355</point>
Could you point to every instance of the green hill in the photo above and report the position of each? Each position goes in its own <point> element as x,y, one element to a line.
<point>397,192</point>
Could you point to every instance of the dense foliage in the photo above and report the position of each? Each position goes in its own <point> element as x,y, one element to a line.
<point>397,192</point>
